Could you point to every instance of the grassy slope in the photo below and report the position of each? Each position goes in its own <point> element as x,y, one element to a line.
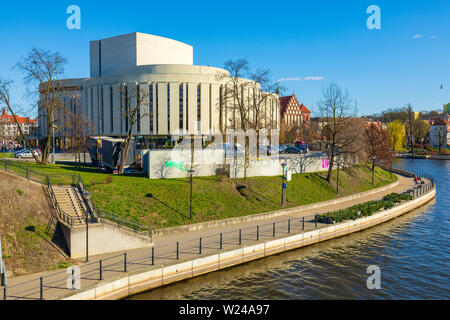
<point>6,155</point>
<point>165,203</point>
<point>24,215</point>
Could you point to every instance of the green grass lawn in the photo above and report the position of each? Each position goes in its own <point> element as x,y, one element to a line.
<point>6,155</point>
<point>165,203</point>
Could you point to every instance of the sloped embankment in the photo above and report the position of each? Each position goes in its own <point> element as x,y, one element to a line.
<point>24,216</point>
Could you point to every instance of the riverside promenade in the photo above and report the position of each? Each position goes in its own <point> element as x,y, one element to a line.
<point>178,246</point>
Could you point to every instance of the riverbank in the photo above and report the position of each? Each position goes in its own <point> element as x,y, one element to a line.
<point>411,251</point>
<point>165,203</point>
<point>188,244</point>
<point>429,157</point>
<point>142,281</point>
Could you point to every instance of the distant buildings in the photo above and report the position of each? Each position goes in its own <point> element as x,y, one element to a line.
<point>447,109</point>
<point>9,130</point>
<point>438,129</point>
<point>293,113</point>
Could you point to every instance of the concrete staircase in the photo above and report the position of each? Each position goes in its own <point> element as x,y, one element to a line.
<point>70,202</point>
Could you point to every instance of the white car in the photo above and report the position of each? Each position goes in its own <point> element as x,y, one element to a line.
<point>26,154</point>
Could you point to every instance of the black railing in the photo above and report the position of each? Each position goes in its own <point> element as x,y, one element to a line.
<point>164,254</point>
<point>120,221</point>
<point>161,255</point>
<point>66,218</point>
<point>74,180</point>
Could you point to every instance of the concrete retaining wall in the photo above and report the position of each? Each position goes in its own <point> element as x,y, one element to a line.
<point>103,238</point>
<point>268,215</point>
<point>143,281</point>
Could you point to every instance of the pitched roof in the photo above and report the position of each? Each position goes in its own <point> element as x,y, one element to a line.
<point>285,101</point>
<point>6,118</point>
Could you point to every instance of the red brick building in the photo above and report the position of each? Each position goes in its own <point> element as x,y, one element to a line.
<point>293,113</point>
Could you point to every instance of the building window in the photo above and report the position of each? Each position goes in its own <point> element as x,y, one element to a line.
<point>168,108</point>
<point>138,105</point>
<point>157,111</point>
<point>187,106</point>
<point>151,108</point>
<point>199,118</point>
<point>126,107</point>
<point>111,107</point>
<point>181,106</point>
<point>102,118</point>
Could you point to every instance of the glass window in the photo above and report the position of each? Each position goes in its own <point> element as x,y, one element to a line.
<point>151,107</point>
<point>181,106</point>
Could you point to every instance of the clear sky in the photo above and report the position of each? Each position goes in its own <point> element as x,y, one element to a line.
<point>312,43</point>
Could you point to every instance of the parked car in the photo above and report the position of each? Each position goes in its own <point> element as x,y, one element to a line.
<point>26,153</point>
<point>303,146</point>
<point>294,150</point>
<point>283,148</point>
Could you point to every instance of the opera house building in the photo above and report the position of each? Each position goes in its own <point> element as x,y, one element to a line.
<point>180,94</point>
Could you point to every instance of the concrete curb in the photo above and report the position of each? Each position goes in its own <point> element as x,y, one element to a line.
<point>267,215</point>
<point>143,281</point>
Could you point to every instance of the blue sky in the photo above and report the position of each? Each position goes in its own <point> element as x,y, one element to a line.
<point>404,62</point>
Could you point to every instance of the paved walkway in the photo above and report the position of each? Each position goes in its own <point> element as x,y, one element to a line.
<point>189,247</point>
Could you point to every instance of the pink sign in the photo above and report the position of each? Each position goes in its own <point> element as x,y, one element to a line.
<point>325,163</point>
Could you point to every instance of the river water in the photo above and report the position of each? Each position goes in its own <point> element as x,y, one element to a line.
<point>412,252</point>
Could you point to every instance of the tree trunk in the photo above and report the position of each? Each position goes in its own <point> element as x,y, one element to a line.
<point>330,171</point>
<point>125,152</point>
<point>23,135</point>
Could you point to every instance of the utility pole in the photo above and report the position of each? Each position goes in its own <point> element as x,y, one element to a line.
<point>283,184</point>
<point>53,136</point>
<point>337,180</point>
<point>191,172</point>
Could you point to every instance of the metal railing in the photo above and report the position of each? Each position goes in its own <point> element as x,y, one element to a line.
<point>155,257</point>
<point>65,217</point>
<point>74,180</point>
<point>173,252</point>
<point>120,221</point>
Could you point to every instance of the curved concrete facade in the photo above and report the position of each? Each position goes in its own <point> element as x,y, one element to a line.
<point>180,95</point>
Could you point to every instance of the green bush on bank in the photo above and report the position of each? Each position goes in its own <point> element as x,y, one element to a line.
<point>364,209</point>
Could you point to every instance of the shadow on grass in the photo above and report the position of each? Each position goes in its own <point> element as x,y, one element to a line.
<point>150,195</point>
<point>57,239</point>
<point>92,169</point>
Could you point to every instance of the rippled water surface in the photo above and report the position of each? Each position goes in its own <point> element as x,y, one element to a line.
<point>412,252</point>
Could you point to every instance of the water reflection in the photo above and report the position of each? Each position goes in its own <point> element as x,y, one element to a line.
<point>412,252</point>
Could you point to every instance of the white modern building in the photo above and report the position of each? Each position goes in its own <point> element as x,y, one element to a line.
<point>180,95</point>
<point>440,135</point>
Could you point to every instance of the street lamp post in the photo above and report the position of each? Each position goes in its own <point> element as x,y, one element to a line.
<point>191,172</point>
<point>87,196</point>
<point>391,169</point>
<point>53,137</point>
<point>337,180</point>
<point>283,186</point>
<point>373,168</point>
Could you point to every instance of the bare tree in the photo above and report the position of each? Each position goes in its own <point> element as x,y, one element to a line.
<point>135,101</point>
<point>44,70</point>
<point>338,125</point>
<point>78,129</point>
<point>441,135</point>
<point>5,100</point>
<point>378,145</point>
<point>246,100</point>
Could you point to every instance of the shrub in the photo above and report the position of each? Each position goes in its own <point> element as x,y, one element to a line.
<point>20,192</point>
<point>365,209</point>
